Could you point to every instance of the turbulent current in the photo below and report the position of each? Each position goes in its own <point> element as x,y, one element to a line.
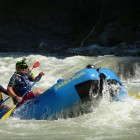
<point>107,121</point>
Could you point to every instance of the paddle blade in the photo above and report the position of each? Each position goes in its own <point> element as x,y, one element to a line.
<point>8,114</point>
<point>136,95</point>
<point>36,64</point>
<point>131,93</point>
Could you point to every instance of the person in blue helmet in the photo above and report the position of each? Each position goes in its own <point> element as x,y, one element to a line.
<point>20,82</point>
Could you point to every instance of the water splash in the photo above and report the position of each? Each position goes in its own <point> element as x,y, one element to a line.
<point>107,120</point>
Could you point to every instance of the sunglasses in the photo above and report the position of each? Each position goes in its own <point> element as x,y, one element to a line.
<point>23,67</point>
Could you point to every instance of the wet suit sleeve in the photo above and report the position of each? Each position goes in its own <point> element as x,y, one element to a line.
<point>3,90</point>
<point>12,81</point>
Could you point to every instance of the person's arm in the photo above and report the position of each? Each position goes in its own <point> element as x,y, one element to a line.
<point>1,97</point>
<point>10,86</point>
<point>33,78</point>
<point>3,90</point>
<point>13,94</point>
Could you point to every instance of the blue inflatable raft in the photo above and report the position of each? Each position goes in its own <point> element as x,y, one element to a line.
<point>85,84</point>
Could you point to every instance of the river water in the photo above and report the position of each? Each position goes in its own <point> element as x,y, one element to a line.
<point>108,121</point>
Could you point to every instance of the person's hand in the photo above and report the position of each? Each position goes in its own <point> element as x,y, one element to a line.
<point>19,99</point>
<point>41,73</point>
<point>39,76</point>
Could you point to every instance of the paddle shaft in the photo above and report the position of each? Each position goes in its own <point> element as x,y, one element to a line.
<point>36,80</point>
<point>4,101</point>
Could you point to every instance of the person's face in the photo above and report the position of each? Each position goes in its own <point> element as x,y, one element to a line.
<point>23,70</point>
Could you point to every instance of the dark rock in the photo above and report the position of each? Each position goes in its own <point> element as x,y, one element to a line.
<point>52,26</point>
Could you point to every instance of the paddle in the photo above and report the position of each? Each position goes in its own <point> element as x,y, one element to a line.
<point>137,96</point>
<point>4,101</point>
<point>36,64</point>
<point>8,114</point>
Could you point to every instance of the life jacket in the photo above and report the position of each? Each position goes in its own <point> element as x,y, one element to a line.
<point>23,84</point>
